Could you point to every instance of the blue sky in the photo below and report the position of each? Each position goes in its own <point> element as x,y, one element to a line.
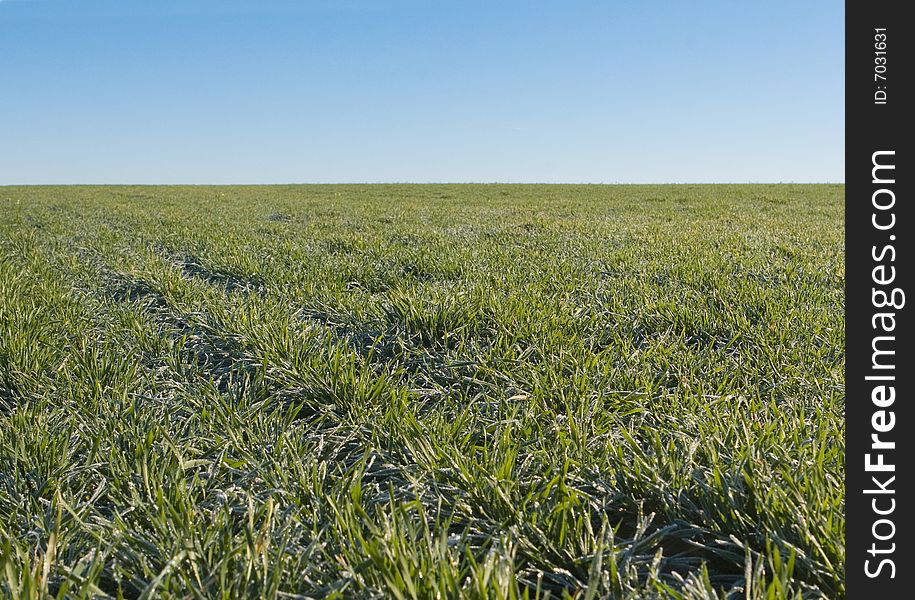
<point>270,91</point>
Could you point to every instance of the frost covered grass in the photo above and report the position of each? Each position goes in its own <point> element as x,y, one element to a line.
<point>480,391</point>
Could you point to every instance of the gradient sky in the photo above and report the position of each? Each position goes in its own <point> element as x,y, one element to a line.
<point>232,91</point>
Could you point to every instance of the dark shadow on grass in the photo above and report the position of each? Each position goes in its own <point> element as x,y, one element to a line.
<point>230,281</point>
<point>216,354</point>
<point>122,288</point>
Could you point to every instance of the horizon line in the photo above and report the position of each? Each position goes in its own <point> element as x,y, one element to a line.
<point>316,183</point>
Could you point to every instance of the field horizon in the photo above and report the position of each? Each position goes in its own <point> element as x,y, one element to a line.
<point>480,390</point>
<point>417,183</point>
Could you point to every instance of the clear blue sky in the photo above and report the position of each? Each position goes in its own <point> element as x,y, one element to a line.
<point>232,91</point>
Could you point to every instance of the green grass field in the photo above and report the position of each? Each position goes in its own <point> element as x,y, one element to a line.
<point>422,391</point>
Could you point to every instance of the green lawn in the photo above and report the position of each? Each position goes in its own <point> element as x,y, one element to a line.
<point>420,391</point>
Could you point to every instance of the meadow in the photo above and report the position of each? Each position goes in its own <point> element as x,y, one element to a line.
<point>422,391</point>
